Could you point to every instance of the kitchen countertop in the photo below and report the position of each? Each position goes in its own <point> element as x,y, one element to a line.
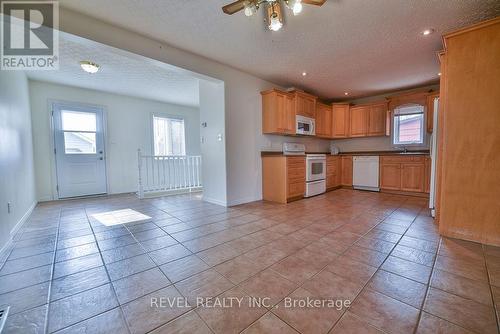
<point>421,152</point>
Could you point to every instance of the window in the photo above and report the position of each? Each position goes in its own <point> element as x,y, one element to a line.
<point>79,130</point>
<point>408,125</point>
<point>168,136</point>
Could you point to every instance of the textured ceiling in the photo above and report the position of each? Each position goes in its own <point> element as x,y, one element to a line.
<point>120,73</point>
<point>361,46</point>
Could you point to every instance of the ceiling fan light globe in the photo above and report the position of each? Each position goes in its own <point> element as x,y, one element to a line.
<point>297,7</point>
<point>275,23</point>
<point>89,66</point>
<point>250,9</point>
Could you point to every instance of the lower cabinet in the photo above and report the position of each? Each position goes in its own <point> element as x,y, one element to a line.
<point>404,173</point>
<point>346,170</point>
<point>390,176</point>
<point>333,172</point>
<point>283,178</point>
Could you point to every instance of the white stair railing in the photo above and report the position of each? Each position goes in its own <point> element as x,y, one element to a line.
<point>168,173</point>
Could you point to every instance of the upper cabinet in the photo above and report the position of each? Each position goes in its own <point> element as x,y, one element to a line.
<point>377,119</point>
<point>368,120</point>
<point>430,110</point>
<point>305,104</point>
<point>324,120</point>
<point>359,121</point>
<point>280,108</point>
<point>340,119</point>
<point>278,112</point>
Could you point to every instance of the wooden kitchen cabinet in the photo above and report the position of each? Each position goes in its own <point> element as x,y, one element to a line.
<point>390,175</point>
<point>377,119</point>
<point>340,119</point>
<point>368,120</point>
<point>346,170</point>
<point>430,110</point>
<point>412,177</point>
<point>358,121</point>
<point>333,172</point>
<point>403,173</point>
<point>305,104</point>
<point>283,178</point>
<point>427,175</point>
<point>324,121</point>
<point>278,112</point>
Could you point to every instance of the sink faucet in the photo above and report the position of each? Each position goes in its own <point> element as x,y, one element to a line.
<point>405,149</point>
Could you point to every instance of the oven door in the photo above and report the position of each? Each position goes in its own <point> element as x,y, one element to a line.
<point>315,169</point>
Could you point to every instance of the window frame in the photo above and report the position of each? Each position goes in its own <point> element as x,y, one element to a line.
<point>166,116</point>
<point>423,131</point>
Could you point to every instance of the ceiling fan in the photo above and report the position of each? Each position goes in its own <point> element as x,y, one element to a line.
<point>275,16</point>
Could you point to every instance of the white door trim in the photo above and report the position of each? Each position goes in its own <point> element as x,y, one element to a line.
<point>53,162</point>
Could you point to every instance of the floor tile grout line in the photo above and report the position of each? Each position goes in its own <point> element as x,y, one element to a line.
<point>320,271</point>
<point>282,236</point>
<point>49,292</point>
<point>269,267</point>
<point>427,288</point>
<point>110,281</point>
<point>378,268</point>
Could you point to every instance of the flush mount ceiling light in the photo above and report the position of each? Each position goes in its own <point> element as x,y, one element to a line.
<point>274,15</point>
<point>89,66</point>
<point>427,32</point>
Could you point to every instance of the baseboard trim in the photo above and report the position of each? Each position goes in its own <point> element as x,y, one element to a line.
<point>215,201</point>
<point>243,201</point>
<point>23,219</point>
<point>16,228</point>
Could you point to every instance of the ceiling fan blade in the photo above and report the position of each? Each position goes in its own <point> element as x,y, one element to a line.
<point>314,2</point>
<point>234,7</point>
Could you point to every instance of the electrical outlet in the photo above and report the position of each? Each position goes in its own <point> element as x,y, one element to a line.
<point>8,207</point>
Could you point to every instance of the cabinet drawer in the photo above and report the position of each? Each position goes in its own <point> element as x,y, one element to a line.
<point>296,162</point>
<point>391,159</point>
<point>296,172</point>
<point>402,159</point>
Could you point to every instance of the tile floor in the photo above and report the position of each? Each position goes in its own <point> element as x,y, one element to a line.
<point>75,269</point>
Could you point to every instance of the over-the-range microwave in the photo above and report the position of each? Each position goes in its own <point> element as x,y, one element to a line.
<point>305,126</point>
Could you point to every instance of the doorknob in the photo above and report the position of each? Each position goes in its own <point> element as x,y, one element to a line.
<point>101,158</point>
<point>100,152</point>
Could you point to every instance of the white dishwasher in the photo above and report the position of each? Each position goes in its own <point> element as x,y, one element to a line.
<point>365,173</point>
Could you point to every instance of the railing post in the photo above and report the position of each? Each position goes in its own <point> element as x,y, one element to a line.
<point>139,165</point>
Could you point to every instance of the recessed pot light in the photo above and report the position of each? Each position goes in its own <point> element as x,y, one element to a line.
<point>304,74</point>
<point>427,32</point>
<point>346,93</point>
<point>439,73</point>
<point>89,66</point>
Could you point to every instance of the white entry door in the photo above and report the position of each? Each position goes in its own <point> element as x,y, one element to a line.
<point>79,148</point>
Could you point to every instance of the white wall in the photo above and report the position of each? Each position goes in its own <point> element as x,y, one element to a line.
<point>129,127</point>
<point>17,180</point>
<point>213,142</point>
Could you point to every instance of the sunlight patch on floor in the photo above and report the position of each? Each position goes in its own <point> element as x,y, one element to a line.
<point>117,217</point>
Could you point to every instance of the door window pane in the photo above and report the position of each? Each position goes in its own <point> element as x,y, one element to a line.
<point>168,136</point>
<point>79,142</point>
<point>78,121</point>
